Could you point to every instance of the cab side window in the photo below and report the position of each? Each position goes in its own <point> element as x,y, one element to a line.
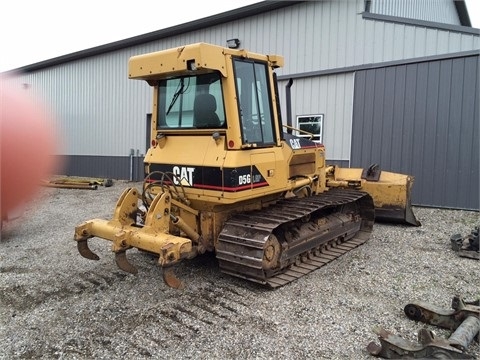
<point>254,102</point>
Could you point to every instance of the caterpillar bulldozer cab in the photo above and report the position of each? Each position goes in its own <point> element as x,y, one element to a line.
<point>222,175</point>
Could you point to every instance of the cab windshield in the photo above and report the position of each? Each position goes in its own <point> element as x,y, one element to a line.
<point>191,102</point>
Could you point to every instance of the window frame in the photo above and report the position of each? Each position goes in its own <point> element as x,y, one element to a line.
<point>317,136</point>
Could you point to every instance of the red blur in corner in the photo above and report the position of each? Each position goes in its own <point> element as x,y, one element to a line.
<point>27,146</point>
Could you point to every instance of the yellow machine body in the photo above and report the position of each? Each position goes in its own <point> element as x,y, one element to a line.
<point>223,176</point>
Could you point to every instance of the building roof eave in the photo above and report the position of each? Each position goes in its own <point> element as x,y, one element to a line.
<point>221,18</point>
<point>462,12</point>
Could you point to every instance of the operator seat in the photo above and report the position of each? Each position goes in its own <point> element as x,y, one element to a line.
<point>204,115</point>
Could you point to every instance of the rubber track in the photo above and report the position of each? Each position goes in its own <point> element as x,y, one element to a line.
<point>240,244</point>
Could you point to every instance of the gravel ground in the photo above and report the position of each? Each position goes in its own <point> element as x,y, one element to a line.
<point>54,304</point>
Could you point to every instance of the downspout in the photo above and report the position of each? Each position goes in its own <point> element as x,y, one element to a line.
<point>132,152</point>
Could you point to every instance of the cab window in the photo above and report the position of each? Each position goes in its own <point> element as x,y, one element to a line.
<point>254,103</point>
<point>191,102</point>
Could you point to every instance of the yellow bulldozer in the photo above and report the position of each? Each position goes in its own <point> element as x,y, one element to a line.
<point>223,174</point>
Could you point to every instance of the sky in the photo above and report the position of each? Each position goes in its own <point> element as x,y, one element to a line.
<point>37,30</point>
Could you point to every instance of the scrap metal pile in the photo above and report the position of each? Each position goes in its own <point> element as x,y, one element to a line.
<point>466,246</point>
<point>463,320</point>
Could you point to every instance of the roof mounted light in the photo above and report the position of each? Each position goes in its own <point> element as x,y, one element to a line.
<point>191,65</point>
<point>233,43</point>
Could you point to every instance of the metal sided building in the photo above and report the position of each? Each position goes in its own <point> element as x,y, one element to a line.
<point>391,82</point>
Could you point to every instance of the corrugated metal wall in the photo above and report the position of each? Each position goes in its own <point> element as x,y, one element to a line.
<point>102,113</point>
<point>331,96</point>
<point>442,11</point>
<point>98,110</point>
<point>422,119</point>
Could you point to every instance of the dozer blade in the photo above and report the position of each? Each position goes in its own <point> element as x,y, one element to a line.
<point>391,192</point>
<point>398,215</point>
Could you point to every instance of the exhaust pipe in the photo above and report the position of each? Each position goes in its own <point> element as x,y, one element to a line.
<point>288,103</point>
